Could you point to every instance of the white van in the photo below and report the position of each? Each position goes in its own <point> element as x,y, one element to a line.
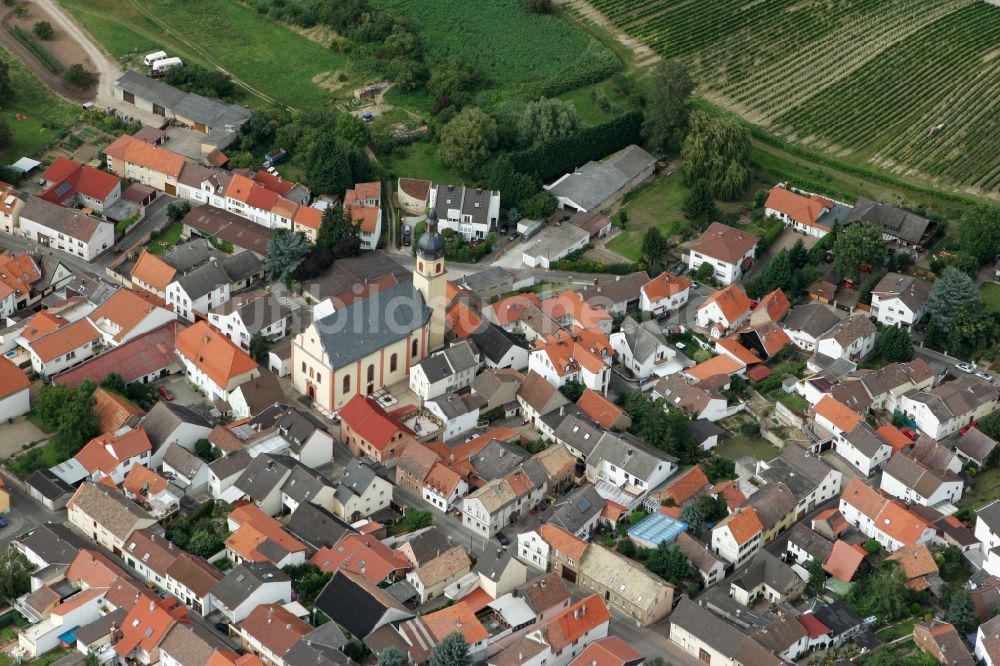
<point>153,57</point>
<point>161,67</point>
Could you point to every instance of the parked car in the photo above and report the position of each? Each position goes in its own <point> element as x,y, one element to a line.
<point>502,538</point>
<point>165,393</point>
<point>985,375</point>
<point>695,286</point>
<point>679,268</point>
<point>965,367</point>
<point>3,522</point>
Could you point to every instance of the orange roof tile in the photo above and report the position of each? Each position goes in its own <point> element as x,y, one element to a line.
<point>442,479</point>
<point>665,285</point>
<point>113,410</point>
<point>142,481</point>
<point>458,617</point>
<point>255,528</point>
<point>915,560</point>
<point>361,554</point>
<point>738,351</point>
<point>76,601</point>
<point>833,518</point>
<point>93,569</point>
<point>366,218</point>
<point>773,337</point>
<point>724,242</point>
<point>42,324</point>
<point>569,545</point>
<point>610,651</point>
<point>519,483</point>
<point>148,622</point>
<point>153,271</point>
<point>369,421</point>
<point>686,486</point>
<point>613,512</point>
<point>154,158</point>
<point>744,524</point>
<point>799,207</point>
<point>844,560</point>
<point>717,365</point>
<point>901,524</point>
<point>275,627</point>
<point>64,340</point>
<point>309,217</point>
<point>576,621</point>
<point>600,410</point>
<point>894,437</point>
<point>775,305</point>
<point>864,498</point>
<point>20,272</point>
<point>509,309</point>
<point>732,301</point>
<point>477,599</point>
<point>125,309</point>
<point>461,320</point>
<point>12,379</point>
<point>105,452</point>
<point>837,413</point>
<point>214,354</point>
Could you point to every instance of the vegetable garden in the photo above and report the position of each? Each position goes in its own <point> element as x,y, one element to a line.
<point>911,86</point>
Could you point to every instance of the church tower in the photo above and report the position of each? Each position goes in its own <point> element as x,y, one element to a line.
<point>430,278</point>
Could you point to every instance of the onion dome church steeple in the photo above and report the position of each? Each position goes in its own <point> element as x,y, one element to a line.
<point>431,243</point>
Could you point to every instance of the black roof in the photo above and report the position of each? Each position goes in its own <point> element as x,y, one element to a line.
<point>838,617</point>
<point>53,542</point>
<point>48,485</point>
<point>317,527</point>
<point>356,604</point>
<point>494,342</point>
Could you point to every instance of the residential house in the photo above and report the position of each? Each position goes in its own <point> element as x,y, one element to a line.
<point>66,229</point>
<point>562,639</point>
<point>988,526</point>
<point>898,300</point>
<point>699,400</point>
<point>975,447</point>
<point>473,214</point>
<point>724,311</point>
<point>602,411</point>
<point>887,385</point>
<point>187,644</point>
<point>832,625</point>
<point>48,489</point>
<point>204,185</point>
<point>628,464</point>
<point>257,537</point>
<point>730,251</point>
<point>248,585</point>
<point>644,351</point>
<point>10,208</point>
<point>316,527</point>
<point>128,157</point>
<point>412,194</point>
<point>709,567</point>
<point>943,642</point>
<point>14,398</point>
<point>498,387</point>
<point>664,294</point>
<point>368,430</point>
<point>807,213</point>
<point>907,478</point>
<point>550,546</point>
<point>213,362</point>
<point>501,501</point>
<point>55,344</point>
<point>627,585</point>
<point>618,297</point>
<point>852,338</point>
<point>359,606</point>
<point>105,516</point>
<point>845,560</point>
<point>806,324</point>
<point>499,348</point>
<point>71,184</point>
<point>308,440</point>
<point>776,508</point>
<point>443,487</point>
<point>255,395</point>
<point>950,406</point>
<point>610,651</point>
<point>363,554</point>
<point>362,492</point>
<point>783,636</point>
<point>252,313</point>
<point>306,485</point>
<point>191,579</point>
<point>738,536</point>
<point>765,577</point>
<point>270,631</point>
<point>194,293</point>
<point>261,482</point>
<point>987,648</point>
<point>577,512</point>
<point>431,578</point>
<point>581,355</point>
<point>114,454</point>
<point>364,205</point>
<point>539,398</point>
<point>459,412</point>
<point>711,640</point>
<point>168,423</point>
<point>445,371</point>
<point>884,520</point>
<point>899,226</point>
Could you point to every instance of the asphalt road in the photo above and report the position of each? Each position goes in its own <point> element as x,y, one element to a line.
<point>25,513</point>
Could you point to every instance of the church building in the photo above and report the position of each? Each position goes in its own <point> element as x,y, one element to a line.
<point>373,342</point>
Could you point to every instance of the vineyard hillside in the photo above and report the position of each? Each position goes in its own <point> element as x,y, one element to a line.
<point>912,86</point>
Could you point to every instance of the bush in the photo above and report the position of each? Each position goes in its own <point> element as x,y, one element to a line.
<point>771,235</point>
<point>43,30</point>
<point>78,76</point>
<point>750,429</point>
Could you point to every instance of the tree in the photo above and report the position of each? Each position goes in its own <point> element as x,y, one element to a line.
<point>338,234</point>
<point>285,252</point>
<point>719,469</point>
<point>15,575</point>
<point>979,233</point>
<point>452,84</point>
<point>500,175</point>
<point>668,107</point>
<point>391,656</point>
<point>205,450</point>
<point>654,249</point>
<point>43,30</point>
<point>717,150</point>
<point>78,76</point>
<point>452,651</point>
<point>895,344</point>
<point>259,346</point>
<point>352,129</point>
<point>817,578</point>
<point>951,291</point>
<point>548,119</point>
<point>178,210</point>
<point>705,272</point>
<point>573,390</point>
<point>539,206</point>
<point>77,422</point>
<point>669,563</point>
<point>205,543</point>
<point>468,140</point>
<point>6,90</point>
<point>114,382</point>
<point>691,514</point>
<point>960,612</point>
<point>328,168</point>
<point>91,660</point>
<point>858,244</point>
<point>713,508</point>
<point>776,274</point>
<point>972,330</point>
<point>951,562</point>
<point>203,81</point>
<point>698,205</point>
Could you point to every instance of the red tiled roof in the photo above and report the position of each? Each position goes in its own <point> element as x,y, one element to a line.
<point>361,554</point>
<point>275,627</point>
<point>477,599</point>
<point>569,545</point>
<point>600,410</point>
<point>12,379</point>
<point>370,422</point>
<point>813,626</point>
<point>844,560</point>
<point>107,451</point>
<point>775,304</point>
<point>733,348</point>
<point>798,207</point>
<point>153,271</point>
<point>113,410</point>
<point>461,320</point>
<point>214,354</point>
<point>665,285</point>
<point>142,481</point>
<point>724,243</point>
<point>758,372</point>
<point>458,617</point>
<point>126,309</point>
<point>743,524</point>
<point>20,272</point>
<point>148,622</point>
<point>732,301</point>
<point>509,309</point>
<point>717,365</point>
<point>894,437</point>
<point>154,158</point>
<point>837,413</point>
<point>133,360</point>
<point>685,487</point>
<point>610,651</point>
<point>576,621</point>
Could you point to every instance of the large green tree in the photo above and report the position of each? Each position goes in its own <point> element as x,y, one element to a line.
<point>960,612</point>
<point>692,515</point>
<point>391,656</point>
<point>514,186</point>
<point>858,244</point>
<point>328,167</point>
<point>669,563</point>
<point>895,344</point>
<point>817,578</point>
<point>452,651</point>
<point>6,89</point>
<point>468,140</point>
<point>979,233</point>
<point>548,119</point>
<point>698,205</point>
<point>972,330</point>
<point>285,252</point>
<point>717,150</point>
<point>654,250</point>
<point>15,575</point>
<point>452,84</point>
<point>951,291</point>
<point>668,107</point>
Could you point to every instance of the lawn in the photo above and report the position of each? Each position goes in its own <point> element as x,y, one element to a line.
<point>794,402</point>
<point>658,204</point>
<point>264,54</point>
<point>166,239</point>
<point>987,487</point>
<point>44,660</point>
<point>42,456</point>
<point>895,631</point>
<point>420,160</point>
<point>43,115</point>
<point>738,446</point>
<point>991,295</point>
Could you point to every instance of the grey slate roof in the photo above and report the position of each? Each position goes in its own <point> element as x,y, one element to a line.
<point>464,199</point>
<point>303,484</point>
<point>494,342</point>
<point>454,405</point>
<point>55,543</point>
<point>493,563</point>
<point>702,623</point>
<point>346,273</point>
<point>451,361</point>
<point>855,327</point>
<point>227,466</point>
<point>372,323</point>
<point>814,319</point>
<point>294,425</point>
<point>911,290</point>
<point>697,553</point>
<point>186,256</point>
<point>579,432</point>
<point>624,289</point>
<point>261,392</point>
<point>429,544</point>
<point>264,474</point>
<point>89,633</point>
<point>256,309</point>
<point>767,569</point>
<point>182,460</point>
<point>318,648</point>
<point>893,221</point>
<point>150,89</point>
<point>68,221</point>
<point>576,509</point>
<point>200,281</point>
<point>595,182</point>
<point>644,339</point>
<point>317,527</point>
<point>496,460</point>
<point>354,480</point>
<point>243,579</point>
<point>817,546</point>
<point>165,417</point>
<point>633,456</point>
<point>48,485</point>
<point>864,439</point>
<point>976,445</point>
<point>242,266</point>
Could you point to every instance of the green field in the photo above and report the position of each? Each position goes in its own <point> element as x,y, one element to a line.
<point>991,295</point>
<point>820,79</point>
<point>262,53</point>
<point>657,205</point>
<point>43,115</point>
<point>514,49</point>
<point>420,160</point>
